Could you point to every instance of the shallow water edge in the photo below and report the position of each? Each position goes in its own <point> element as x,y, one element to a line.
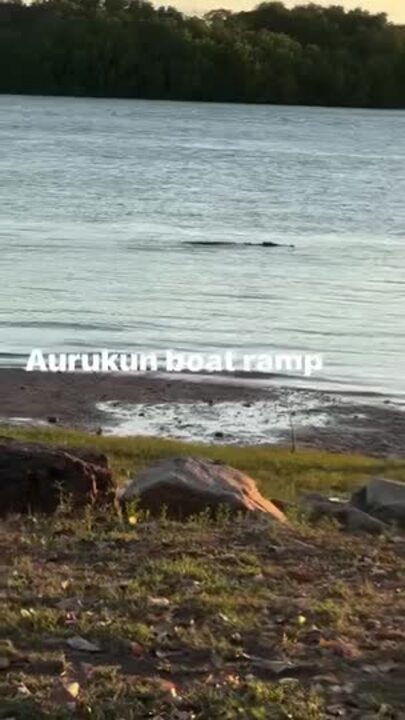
<point>230,410</point>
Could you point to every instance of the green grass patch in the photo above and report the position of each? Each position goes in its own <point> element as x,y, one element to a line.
<point>279,472</point>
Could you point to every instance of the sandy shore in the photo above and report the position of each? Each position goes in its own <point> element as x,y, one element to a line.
<point>229,410</point>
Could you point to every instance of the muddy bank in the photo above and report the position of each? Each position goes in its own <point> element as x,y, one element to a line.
<point>229,410</point>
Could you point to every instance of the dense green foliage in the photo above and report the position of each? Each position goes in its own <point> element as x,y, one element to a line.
<point>128,48</point>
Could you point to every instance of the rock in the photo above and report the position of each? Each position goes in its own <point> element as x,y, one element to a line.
<point>383,499</point>
<point>79,643</point>
<point>394,513</point>
<point>283,505</point>
<point>187,486</point>
<point>351,518</point>
<point>159,602</point>
<point>33,477</point>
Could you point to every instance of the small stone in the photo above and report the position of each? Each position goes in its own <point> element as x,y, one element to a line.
<point>159,602</point>
<point>336,710</point>
<point>289,681</point>
<point>23,690</point>
<point>370,669</point>
<point>79,643</point>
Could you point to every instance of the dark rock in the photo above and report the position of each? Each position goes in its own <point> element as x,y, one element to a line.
<point>383,499</point>
<point>33,477</point>
<point>350,517</point>
<point>53,420</point>
<point>186,486</point>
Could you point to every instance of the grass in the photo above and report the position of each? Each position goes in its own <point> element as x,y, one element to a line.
<point>206,620</point>
<point>278,472</point>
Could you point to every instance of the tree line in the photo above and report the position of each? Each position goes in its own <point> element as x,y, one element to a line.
<point>271,54</point>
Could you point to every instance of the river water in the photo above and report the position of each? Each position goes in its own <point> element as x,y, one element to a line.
<point>100,201</point>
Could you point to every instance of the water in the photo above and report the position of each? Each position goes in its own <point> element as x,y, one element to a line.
<point>98,196</point>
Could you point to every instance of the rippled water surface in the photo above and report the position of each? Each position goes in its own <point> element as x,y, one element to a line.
<point>99,197</point>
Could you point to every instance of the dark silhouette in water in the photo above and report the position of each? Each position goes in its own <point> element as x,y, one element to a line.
<point>224,243</point>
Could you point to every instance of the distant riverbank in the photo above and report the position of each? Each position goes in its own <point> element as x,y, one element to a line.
<point>306,55</point>
<point>229,410</point>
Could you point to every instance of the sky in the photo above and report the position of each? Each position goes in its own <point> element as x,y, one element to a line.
<point>395,9</point>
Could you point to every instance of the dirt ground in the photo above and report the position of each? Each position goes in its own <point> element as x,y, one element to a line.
<point>203,621</point>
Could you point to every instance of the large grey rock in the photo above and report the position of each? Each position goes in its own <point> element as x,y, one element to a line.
<point>383,499</point>
<point>33,477</point>
<point>187,486</point>
<point>351,518</point>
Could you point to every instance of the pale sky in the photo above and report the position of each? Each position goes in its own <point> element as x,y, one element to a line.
<point>395,9</point>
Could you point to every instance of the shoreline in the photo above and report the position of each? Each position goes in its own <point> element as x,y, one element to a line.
<point>225,410</point>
